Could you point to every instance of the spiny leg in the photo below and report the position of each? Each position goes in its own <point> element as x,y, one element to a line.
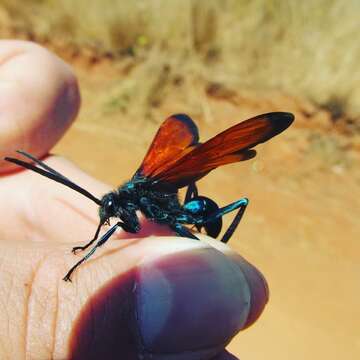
<point>84,247</point>
<point>241,205</point>
<point>101,241</point>
<point>234,224</point>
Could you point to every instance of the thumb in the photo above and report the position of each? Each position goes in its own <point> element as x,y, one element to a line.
<point>181,300</point>
<point>158,298</point>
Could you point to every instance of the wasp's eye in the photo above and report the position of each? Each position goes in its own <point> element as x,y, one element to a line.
<point>109,206</point>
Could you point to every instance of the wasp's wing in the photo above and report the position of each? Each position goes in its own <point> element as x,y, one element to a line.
<point>177,135</point>
<point>232,145</point>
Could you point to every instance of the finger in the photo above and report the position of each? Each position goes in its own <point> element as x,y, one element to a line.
<point>155,297</point>
<point>39,98</point>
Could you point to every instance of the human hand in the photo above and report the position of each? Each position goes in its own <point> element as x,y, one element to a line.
<point>154,296</point>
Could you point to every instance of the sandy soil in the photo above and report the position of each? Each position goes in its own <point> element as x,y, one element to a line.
<point>301,228</point>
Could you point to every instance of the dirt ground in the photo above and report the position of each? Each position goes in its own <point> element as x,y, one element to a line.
<point>301,228</point>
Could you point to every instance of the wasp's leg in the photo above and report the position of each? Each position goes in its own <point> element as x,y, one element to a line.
<point>191,192</point>
<point>82,248</point>
<point>240,204</point>
<point>230,230</point>
<point>101,242</point>
<point>183,231</point>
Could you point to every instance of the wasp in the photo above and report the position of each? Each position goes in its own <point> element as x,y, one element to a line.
<point>175,159</point>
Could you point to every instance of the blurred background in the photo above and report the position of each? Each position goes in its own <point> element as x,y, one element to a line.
<point>222,62</point>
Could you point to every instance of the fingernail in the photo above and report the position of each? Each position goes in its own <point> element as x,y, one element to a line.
<point>190,300</point>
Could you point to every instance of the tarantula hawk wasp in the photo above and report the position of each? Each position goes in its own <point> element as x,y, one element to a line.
<point>175,159</point>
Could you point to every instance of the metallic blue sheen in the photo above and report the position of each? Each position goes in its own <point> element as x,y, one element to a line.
<point>195,206</point>
<point>130,185</point>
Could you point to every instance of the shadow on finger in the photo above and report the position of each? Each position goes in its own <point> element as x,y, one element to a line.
<point>186,305</point>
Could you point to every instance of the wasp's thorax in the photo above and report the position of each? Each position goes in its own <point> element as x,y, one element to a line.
<point>140,194</point>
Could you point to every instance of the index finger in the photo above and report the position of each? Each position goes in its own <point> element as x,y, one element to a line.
<point>39,98</point>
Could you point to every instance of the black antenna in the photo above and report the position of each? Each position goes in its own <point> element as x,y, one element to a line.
<point>51,174</point>
<point>42,164</point>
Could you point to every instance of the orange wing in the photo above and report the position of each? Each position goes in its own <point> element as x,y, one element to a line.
<point>176,136</point>
<point>232,145</point>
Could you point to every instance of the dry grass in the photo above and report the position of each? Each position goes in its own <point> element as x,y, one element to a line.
<point>308,49</point>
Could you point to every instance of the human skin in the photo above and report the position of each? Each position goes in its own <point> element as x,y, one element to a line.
<point>154,294</point>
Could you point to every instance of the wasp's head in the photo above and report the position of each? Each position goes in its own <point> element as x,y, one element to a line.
<point>110,207</point>
<point>114,204</point>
